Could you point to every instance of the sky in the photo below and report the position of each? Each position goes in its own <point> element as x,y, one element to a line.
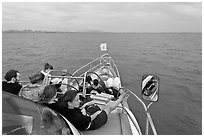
<point>103,16</point>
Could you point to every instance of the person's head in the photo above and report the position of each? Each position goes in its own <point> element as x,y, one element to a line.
<point>95,82</point>
<point>12,75</point>
<point>48,67</point>
<point>36,78</point>
<point>49,94</point>
<point>71,98</point>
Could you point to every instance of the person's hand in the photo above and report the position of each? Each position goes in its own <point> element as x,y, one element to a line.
<point>126,97</point>
<point>123,91</point>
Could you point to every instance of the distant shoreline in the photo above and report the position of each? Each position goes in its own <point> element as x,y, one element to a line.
<point>30,31</point>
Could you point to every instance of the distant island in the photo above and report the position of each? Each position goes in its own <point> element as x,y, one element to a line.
<point>29,31</point>
<point>42,31</point>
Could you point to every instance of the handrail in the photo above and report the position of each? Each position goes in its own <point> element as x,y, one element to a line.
<point>65,77</point>
<point>133,119</point>
<point>149,119</point>
<point>84,84</point>
<point>90,64</point>
<point>116,68</point>
<point>128,112</point>
<point>88,70</point>
<point>85,65</point>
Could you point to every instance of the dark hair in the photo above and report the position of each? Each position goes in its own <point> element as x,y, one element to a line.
<point>10,74</point>
<point>69,96</point>
<point>48,66</point>
<point>36,78</point>
<point>48,92</point>
<point>95,82</point>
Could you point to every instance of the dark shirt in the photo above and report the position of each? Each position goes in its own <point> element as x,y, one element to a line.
<point>11,87</point>
<point>80,121</point>
<point>55,106</point>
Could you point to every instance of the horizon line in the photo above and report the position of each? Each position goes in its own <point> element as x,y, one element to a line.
<point>93,31</point>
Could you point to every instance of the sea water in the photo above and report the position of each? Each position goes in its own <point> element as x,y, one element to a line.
<point>175,57</point>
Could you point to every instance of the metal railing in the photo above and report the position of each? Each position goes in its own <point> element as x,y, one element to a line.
<point>104,59</point>
<point>148,116</point>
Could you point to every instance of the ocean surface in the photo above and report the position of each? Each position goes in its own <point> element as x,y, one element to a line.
<point>175,57</point>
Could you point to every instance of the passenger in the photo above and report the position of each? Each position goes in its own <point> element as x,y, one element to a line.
<point>78,116</point>
<point>112,86</point>
<point>63,81</point>
<point>95,87</point>
<point>49,97</point>
<point>89,80</point>
<point>116,83</point>
<point>39,76</point>
<point>31,91</point>
<point>46,69</point>
<point>109,82</point>
<point>12,84</point>
<point>88,83</point>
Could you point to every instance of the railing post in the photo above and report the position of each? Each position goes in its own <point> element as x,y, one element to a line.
<point>147,126</point>
<point>84,85</point>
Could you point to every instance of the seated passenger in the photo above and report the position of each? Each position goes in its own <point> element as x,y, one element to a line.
<point>64,84</point>
<point>89,80</point>
<point>49,97</point>
<point>88,83</point>
<point>95,87</point>
<point>46,69</point>
<point>39,76</point>
<point>113,82</point>
<point>31,91</point>
<point>63,81</point>
<point>79,117</point>
<point>113,86</point>
<point>12,84</point>
<point>109,82</point>
<point>116,83</point>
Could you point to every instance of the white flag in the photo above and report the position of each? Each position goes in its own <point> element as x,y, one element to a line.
<point>103,47</point>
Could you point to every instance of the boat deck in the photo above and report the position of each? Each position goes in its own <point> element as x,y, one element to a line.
<point>111,127</point>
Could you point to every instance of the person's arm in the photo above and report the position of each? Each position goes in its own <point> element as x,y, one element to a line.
<point>113,104</point>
